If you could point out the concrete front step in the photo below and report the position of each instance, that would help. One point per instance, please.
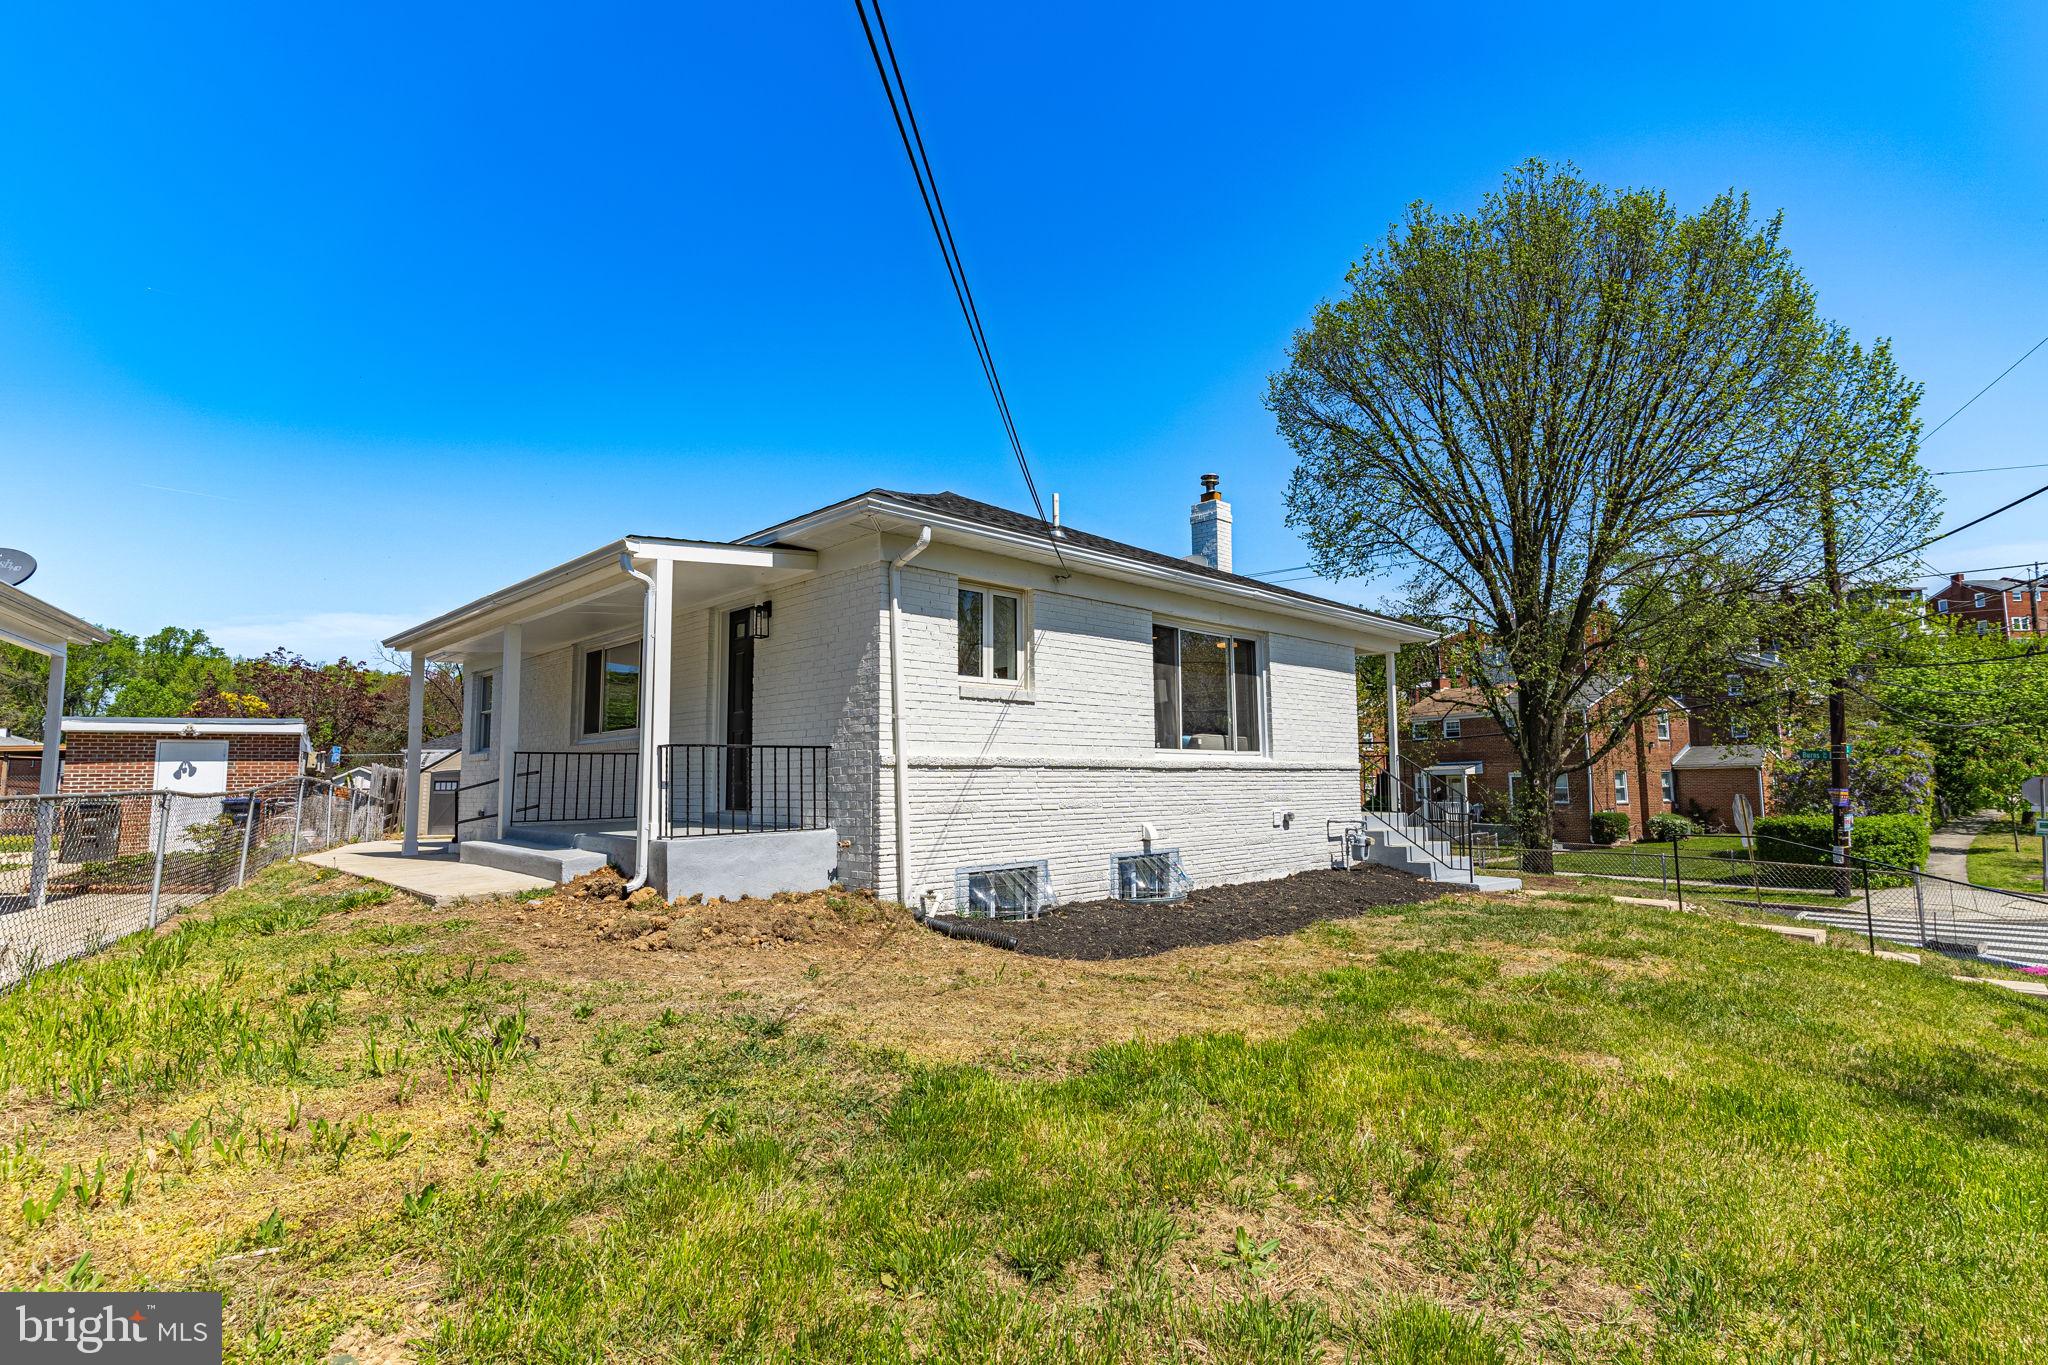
(532, 860)
(1396, 844)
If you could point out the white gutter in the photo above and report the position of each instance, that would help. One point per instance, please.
(924, 539)
(644, 817)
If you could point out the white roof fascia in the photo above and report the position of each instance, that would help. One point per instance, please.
(210, 725)
(34, 624)
(583, 577)
(1384, 629)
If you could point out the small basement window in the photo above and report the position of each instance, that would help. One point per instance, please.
(1143, 877)
(1008, 891)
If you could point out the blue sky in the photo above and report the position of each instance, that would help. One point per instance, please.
(314, 323)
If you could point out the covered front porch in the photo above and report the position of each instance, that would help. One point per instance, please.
(612, 708)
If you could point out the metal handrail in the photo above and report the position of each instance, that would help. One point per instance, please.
(744, 788)
(573, 784)
(1441, 829)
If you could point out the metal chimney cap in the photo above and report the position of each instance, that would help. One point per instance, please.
(1209, 482)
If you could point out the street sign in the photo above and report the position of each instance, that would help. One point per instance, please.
(1813, 755)
(16, 566)
(2035, 789)
(2041, 828)
(1745, 818)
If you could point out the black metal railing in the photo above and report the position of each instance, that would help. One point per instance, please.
(574, 784)
(743, 788)
(460, 818)
(1431, 811)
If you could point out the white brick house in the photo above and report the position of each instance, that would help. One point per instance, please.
(904, 691)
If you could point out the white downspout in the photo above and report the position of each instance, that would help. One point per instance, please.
(924, 538)
(645, 804)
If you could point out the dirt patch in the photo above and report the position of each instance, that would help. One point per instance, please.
(596, 904)
(1099, 931)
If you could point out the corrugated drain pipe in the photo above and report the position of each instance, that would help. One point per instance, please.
(896, 566)
(644, 804)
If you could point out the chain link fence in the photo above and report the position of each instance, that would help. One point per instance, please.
(80, 870)
(1878, 901)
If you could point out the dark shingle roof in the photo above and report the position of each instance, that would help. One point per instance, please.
(1003, 519)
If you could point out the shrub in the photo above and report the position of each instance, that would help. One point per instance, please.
(1895, 840)
(1609, 826)
(1668, 828)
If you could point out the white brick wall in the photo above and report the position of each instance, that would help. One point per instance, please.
(1067, 771)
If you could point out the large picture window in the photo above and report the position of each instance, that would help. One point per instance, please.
(991, 635)
(611, 689)
(1205, 690)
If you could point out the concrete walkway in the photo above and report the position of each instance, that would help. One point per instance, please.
(434, 876)
(1950, 850)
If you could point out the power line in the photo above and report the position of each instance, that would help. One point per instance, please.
(1986, 389)
(1987, 469)
(942, 230)
(1974, 521)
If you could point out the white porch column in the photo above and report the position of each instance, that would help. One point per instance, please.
(415, 723)
(506, 741)
(1393, 731)
(46, 811)
(657, 658)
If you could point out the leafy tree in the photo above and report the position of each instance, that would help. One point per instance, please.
(1980, 701)
(1574, 418)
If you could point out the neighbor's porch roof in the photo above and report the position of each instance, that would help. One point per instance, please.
(34, 624)
(592, 594)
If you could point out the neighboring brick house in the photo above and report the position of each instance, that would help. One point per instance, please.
(1673, 772)
(2012, 605)
(201, 759)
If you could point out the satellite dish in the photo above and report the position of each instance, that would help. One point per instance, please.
(16, 566)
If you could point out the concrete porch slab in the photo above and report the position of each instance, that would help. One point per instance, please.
(434, 875)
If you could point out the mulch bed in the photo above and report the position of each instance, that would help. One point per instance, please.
(1096, 931)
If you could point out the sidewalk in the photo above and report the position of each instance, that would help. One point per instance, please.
(1950, 850)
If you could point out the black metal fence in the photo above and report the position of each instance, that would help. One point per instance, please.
(743, 788)
(566, 785)
(79, 871)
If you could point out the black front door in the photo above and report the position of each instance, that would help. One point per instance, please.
(739, 710)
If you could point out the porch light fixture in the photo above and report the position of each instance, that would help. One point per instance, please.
(757, 620)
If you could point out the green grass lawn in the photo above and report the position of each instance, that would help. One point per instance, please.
(1480, 1129)
(1993, 861)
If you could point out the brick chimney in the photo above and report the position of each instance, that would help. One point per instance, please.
(1209, 527)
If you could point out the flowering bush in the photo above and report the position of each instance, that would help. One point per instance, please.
(1890, 773)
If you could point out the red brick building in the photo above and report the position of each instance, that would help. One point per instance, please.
(201, 760)
(2012, 605)
(1664, 767)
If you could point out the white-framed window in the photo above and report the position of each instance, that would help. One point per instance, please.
(1418, 729)
(1663, 725)
(1734, 684)
(994, 638)
(608, 701)
(1667, 781)
(1514, 787)
(1205, 690)
(483, 703)
(1979, 601)
(2022, 623)
(1620, 787)
(1941, 606)
(1983, 627)
(1453, 727)
(1561, 790)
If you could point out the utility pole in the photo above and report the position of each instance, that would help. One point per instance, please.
(1838, 703)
